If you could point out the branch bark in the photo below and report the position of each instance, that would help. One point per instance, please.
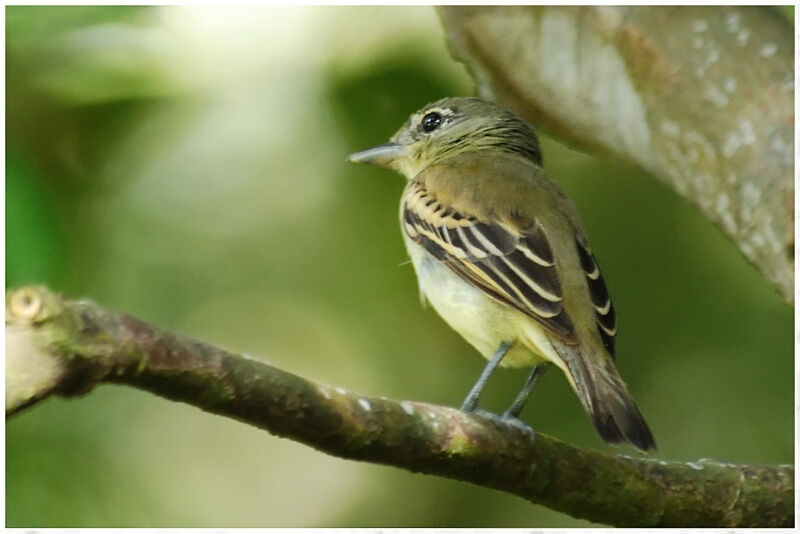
(701, 97)
(59, 346)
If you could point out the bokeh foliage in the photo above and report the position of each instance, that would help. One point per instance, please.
(186, 165)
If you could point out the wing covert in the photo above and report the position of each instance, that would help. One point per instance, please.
(514, 266)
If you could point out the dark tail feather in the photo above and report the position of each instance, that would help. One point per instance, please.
(606, 399)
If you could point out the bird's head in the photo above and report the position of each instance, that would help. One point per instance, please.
(449, 127)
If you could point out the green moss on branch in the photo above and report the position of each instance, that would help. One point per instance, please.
(61, 346)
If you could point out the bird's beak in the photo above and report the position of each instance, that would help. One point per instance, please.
(381, 155)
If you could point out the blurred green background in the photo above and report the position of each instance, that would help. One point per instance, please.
(186, 165)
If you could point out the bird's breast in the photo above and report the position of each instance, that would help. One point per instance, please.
(478, 318)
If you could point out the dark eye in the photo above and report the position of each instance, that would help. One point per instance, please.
(431, 121)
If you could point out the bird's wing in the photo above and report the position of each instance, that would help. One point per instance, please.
(514, 265)
(603, 307)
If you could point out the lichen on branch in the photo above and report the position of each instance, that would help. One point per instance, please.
(60, 346)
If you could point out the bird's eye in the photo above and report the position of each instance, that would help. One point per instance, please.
(431, 121)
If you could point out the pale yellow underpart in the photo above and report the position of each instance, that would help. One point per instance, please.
(484, 322)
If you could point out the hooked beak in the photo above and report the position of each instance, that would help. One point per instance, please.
(381, 155)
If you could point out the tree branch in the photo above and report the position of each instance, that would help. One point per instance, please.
(65, 347)
(701, 97)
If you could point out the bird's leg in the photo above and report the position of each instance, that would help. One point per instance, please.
(522, 397)
(471, 402)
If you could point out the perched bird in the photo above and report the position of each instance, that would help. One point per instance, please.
(501, 254)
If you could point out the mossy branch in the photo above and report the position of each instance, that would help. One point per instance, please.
(701, 97)
(59, 346)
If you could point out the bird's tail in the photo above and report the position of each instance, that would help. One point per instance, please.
(606, 398)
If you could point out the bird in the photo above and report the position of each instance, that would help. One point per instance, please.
(501, 254)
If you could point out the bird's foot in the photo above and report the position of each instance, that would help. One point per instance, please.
(485, 414)
(519, 424)
(471, 406)
(502, 420)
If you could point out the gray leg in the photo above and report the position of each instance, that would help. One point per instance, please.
(519, 402)
(471, 402)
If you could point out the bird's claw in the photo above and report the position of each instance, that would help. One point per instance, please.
(504, 420)
(519, 424)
